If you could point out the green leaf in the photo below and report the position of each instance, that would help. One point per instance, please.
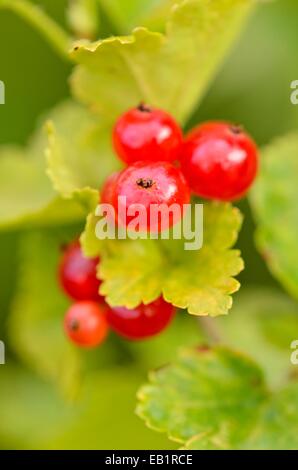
(83, 17)
(26, 193)
(273, 201)
(36, 322)
(277, 427)
(24, 189)
(79, 154)
(101, 415)
(37, 18)
(127, 14)
(204, 393)
(171, 71)
(271, 320)
(202, 281)
(135, 271)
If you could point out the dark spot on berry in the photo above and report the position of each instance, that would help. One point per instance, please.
(74, 325)
(144, 108)
(236, 129)
(145, 183)
(76, 48)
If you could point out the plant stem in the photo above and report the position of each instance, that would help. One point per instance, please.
(209, 328)
(37, 18)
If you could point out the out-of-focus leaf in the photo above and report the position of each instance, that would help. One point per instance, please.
(27, 197)
(273, 201)
(171, 71)
(37, 18)
(127, 14)
(277, 427)
(263, 324)
(135, 271)
(36, 322)
(214, 393)
(102, 414)
(83, 17)
(79, 154)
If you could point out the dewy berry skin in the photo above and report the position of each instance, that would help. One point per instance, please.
(147, 134)
(219, 161)
(77, 274)
(141, 322)
(85, 324)
(145, 184)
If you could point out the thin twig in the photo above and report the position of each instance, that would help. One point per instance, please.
(37, 18)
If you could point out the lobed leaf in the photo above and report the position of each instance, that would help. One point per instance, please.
(206, 395)
(135, 271)
(171, 71)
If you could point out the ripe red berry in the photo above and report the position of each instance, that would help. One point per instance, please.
(108, 190)
(77, 274)
(146, 133)
(219, 161)
(142, 322)
(86, 324)
(153, 186)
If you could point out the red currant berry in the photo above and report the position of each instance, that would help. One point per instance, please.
(77, 274)
(142, 322)
(219, 161)
(146, 133)
(86, 324)
(146, 187)
(108, 189)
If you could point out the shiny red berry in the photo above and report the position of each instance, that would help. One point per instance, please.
(145, 133)
(141, 322)
(108, 190)
(77, 274)
(145, 187)
(86, 324)
(219, 161)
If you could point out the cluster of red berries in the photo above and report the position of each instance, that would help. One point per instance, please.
(216, 160)
(88, 320)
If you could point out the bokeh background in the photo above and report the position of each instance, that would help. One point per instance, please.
(252, 88)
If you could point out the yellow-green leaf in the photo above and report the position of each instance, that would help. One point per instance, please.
(171, 71)
(79, 154)
(202, 281)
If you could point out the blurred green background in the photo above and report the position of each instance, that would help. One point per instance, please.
(252, 88)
